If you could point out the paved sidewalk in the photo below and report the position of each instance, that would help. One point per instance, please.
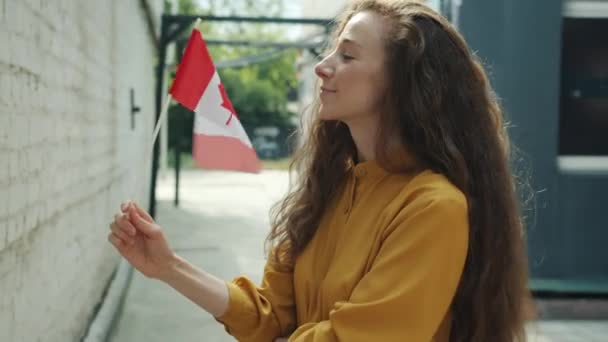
(220, 226)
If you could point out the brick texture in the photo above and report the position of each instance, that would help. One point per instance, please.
(68, 156)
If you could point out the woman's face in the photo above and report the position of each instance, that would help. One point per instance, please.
(353, 75)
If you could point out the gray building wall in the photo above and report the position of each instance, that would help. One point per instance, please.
(518, 39)
(520, 42)
(68, 156)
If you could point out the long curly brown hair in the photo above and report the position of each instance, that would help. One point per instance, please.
(439, 106)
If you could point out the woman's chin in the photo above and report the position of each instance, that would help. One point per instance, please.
(327, 115)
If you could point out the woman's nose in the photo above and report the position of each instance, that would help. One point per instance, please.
(323, 70)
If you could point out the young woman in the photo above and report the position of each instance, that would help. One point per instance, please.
(404, 225)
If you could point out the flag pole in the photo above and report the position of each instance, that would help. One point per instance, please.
(150, 147)
(161, 118)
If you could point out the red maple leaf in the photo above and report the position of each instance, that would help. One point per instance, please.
(226, 103)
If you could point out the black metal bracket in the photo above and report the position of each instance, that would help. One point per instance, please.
(134, 109)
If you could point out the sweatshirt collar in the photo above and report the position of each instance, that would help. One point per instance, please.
(368, 170)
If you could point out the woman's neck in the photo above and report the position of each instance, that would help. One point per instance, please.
(363, 132)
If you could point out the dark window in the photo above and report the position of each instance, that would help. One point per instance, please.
(583, 125)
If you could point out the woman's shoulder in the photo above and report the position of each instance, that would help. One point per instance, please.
(428, 198)
(428, 187)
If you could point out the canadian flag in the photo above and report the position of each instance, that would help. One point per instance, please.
(219, 140)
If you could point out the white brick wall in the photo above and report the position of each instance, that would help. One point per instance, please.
(68, 156)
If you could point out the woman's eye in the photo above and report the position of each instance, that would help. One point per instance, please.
(346, 57)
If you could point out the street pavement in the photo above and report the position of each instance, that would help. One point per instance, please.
(220, 226)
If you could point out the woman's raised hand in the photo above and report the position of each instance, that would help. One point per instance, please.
(141, 241)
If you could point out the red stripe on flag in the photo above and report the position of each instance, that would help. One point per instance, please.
(194, 72)
(224, 153)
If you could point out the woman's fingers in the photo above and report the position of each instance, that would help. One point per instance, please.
(148, 228)
(119, 233)
(122, 234)
(143, 213)
(123, 229)
(122, 220)
(125, 207)
(117, 242)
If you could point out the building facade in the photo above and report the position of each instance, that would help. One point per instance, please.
(69, 153)
(548, 61)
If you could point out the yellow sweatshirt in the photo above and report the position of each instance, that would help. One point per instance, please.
(383, 265)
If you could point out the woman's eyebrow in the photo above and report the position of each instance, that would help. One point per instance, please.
(349, 41)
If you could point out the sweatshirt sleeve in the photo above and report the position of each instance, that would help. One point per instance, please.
(411, 283)
(261, 314)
